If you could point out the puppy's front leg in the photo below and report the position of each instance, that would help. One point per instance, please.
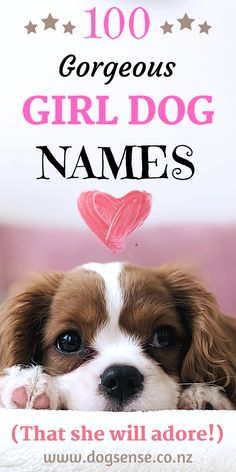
(204, 397)
(29, 387)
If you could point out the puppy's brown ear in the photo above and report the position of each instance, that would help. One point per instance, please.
(211, 354)
(22, 318)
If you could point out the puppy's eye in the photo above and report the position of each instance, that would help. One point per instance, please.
(164, 337)
(69, 342)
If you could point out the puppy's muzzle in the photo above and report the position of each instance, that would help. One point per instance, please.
(121, 383)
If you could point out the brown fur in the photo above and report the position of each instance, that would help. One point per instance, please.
(31, 320)
(212, 354)
(22, 319)
(149, 305)
(205, 349)
(78, 304)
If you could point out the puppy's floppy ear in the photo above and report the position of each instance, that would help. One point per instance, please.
(22, 317)
(210, 357)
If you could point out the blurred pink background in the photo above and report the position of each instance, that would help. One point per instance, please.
(209, 250)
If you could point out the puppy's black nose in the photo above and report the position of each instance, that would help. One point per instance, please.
(121, 382)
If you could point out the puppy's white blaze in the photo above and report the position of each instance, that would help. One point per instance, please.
(117, 348)
(110, 333)
(110, 341)
(114, 300)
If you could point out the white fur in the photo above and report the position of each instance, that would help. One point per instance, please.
(35, 382)
(197, 395)
(111, 332)
(110, 274)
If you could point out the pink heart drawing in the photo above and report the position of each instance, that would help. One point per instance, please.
(114, 219)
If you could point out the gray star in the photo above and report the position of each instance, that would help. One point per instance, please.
(167, 28)
(204, 28)
(50, 22)
(69, 28)
(31, 28)
(186, 22)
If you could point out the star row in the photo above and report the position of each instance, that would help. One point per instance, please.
(185, 23)
(49, 23)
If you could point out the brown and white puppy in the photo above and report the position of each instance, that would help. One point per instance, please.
(116, 337)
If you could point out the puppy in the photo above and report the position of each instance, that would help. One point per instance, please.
(116, 337)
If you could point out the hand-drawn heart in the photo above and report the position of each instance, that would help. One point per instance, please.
(113, 219)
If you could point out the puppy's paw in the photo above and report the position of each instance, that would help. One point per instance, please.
(204, 397)
(28, 388)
